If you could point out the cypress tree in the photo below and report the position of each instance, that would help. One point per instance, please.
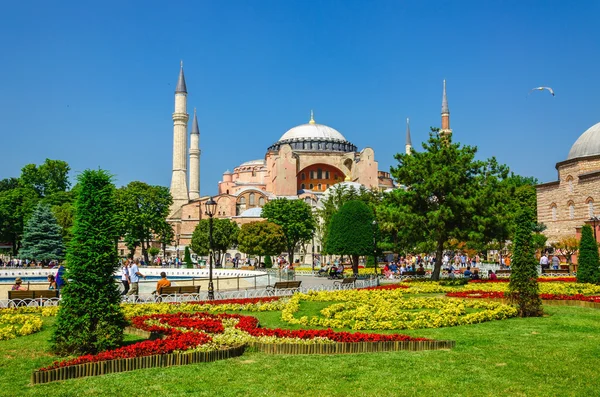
(523, 287)
(187, 258)
(42, 236)
(588, 262)
(90, 319)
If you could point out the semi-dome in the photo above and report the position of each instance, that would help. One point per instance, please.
(314, 137)
(588, 144)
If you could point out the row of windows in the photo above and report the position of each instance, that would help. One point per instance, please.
(252, 200)
(319, 174)
(572, 210)
(311, 186)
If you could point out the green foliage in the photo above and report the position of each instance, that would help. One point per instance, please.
(225, 234)
(16, 205)
(588, 270)
(351, 231)
(268, 262)
(142, 212)
(449, 195)
(90, 318)
(49, 178)
(295, 218)
(187, 258)
(42, 237)
(261, 238)
(153, 251)
(523, 288)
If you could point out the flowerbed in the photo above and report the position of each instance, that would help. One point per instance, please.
(13, 325)
(366, 309)
(540, 280)
(209, 332)
(500, 295)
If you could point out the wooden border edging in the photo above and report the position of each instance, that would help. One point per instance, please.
(349, 348)
(131, 364)
(546, 302)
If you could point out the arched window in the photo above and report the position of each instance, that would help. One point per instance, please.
(590, 208)
(251, 198)
(571, 210)
(261, 200)
(243, 200)
(554, 212)
(319, 173)
(303, 176)
(326, 174)
(570, 183)
(302, 186)
(310, 186)
(319, 187)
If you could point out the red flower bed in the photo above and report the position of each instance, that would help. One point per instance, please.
(242, 301)
(193, 321)
(577, 297)
(540, 280)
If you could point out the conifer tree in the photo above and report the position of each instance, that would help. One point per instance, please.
(588, 262)
(187, 258)
(42, 237)
(90, 319)
(523, 287)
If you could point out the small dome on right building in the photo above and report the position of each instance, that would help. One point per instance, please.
(588, 144)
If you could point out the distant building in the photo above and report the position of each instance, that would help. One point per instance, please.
(568, 203)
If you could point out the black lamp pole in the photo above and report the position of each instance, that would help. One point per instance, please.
(211, 206)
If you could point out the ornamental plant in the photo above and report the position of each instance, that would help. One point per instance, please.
(187, 258)
(42, 237)
(588, 262)
(90, 319)
(523, 287)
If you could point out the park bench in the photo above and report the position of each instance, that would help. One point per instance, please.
(346, 282)
(175, 291)
(555, 271)
(291, 286)
(24, 298)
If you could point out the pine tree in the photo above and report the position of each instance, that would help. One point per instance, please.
(42, 237)
(588, 262)
(90, 319)
(523, 287)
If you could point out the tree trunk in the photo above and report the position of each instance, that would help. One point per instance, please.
(145, 251)
(439, 252)
(291, 254)
(355, 264)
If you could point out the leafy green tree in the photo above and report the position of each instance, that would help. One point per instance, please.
(142, 212)
(165, 235)
(49, 178)
(268, 262)
(351, 231)
(42, 237)
(588, 270)
(153, 251)
(187, 258)
(262, 239)
(225, 233)
(8, 184)
(16, 205)
(295, 218)
(523, 288)
(567, 246)
(90, 319)
(448, 195)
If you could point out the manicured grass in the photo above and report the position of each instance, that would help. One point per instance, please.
(555, 355)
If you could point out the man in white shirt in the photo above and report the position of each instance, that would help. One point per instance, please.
(544, 262)
(134, 277)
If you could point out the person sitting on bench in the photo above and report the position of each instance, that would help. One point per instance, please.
(18, 285)
(163, 282)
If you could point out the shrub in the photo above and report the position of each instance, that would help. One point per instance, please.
(587, 269)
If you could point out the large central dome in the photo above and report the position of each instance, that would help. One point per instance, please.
(588, 144)
(314, 137)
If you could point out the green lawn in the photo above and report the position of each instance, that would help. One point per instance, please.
(556, 355)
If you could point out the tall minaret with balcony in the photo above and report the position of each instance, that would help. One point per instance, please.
(179, 189)
(408, 145)
(195, 159)
(445, 130)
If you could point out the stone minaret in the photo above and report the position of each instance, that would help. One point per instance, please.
(445, 115)
(179, 189)
(195, 160)
(408, 145)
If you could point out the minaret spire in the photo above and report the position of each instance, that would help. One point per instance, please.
(408, 145)
(179, 189)
(195, 159)
(445, 130)
(312, 117)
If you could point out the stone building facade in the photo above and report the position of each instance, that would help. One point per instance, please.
(571, 201)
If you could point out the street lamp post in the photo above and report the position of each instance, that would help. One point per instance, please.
(211, 206)
(375, 245)
(594, 219)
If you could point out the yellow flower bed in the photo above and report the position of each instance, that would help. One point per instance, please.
(131, 310)
(384, 309)
(545, 288)
(13, 325)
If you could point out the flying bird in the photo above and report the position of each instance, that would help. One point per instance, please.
(541, 89)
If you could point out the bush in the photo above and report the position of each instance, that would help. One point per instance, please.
(90, 319)
(268, 262)
(187, 258)
(587, 269)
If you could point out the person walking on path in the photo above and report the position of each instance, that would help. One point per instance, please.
(125, 277)
(134, 277)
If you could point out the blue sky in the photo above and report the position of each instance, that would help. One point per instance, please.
(92, 83)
